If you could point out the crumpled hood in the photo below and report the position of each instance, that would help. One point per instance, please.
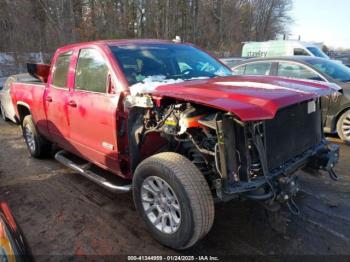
(249, 98)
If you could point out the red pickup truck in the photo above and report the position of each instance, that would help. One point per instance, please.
(173, 122)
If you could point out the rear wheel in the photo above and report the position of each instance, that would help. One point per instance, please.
(174, 200)
(37, 145)
(343, 126)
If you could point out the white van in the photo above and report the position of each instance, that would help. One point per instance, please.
(282, 48)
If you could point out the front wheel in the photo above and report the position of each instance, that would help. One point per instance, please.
(174, 200)
(343, 126)
(37, 145)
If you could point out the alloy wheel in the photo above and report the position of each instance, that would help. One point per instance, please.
(161, 204)
(346, 126)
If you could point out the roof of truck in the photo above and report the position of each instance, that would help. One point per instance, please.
(120, 42)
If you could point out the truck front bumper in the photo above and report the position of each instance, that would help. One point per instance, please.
(280, 183)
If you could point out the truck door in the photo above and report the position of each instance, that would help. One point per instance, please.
(92, 110)
(55, 100)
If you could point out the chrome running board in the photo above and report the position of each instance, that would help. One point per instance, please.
(84, 170)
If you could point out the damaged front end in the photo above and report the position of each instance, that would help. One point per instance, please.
(255, 160)
(259, 159)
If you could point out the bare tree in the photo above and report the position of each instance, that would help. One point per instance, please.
(218, 25)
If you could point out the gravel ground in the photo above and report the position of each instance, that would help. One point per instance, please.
(62, 213)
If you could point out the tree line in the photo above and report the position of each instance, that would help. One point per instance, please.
(216, 25)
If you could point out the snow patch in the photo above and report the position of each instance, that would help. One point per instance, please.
(296, 88)
(150, 83)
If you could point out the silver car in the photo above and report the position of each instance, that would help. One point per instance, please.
(232, 61)
(6, 107)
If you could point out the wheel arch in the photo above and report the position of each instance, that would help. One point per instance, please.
(339, 114)
(23, 110)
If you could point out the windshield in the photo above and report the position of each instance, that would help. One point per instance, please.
(335, 70)
(169, 61)
(317, 52)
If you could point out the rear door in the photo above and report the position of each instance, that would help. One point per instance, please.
(92, 110)
(55, 100)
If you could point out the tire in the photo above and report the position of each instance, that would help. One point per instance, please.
(3, 115)
(37, 145)
(343, 127)
(193, 199)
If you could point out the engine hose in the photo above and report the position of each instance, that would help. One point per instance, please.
(293, 208)
(333, 175)
(202, 150)
(259, 197)
(260, 148)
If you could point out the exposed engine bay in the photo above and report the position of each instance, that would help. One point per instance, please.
(255, 160)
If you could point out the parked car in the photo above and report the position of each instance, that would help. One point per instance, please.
(173, 122)
(336, 112)
(13, 246)
(232, 61)
(6, 107)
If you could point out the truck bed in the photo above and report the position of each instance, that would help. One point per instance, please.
(36, 83)
(29, 93)
(26, 79)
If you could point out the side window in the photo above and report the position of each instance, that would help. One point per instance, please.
(60, 74)
(261, 68)
(297, 71)
(91, 71)
(300, 51)
(239, 70)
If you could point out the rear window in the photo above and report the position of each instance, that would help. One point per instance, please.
(60, 74)
(300, 51)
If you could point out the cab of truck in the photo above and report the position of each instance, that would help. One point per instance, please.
(282, 48)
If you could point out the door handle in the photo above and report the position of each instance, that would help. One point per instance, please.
(72, 103)
(48, 99)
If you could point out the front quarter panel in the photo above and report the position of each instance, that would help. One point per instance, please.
(338, 107)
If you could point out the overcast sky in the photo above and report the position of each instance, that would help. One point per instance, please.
(325, 21)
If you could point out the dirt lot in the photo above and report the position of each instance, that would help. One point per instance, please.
(61, 212)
